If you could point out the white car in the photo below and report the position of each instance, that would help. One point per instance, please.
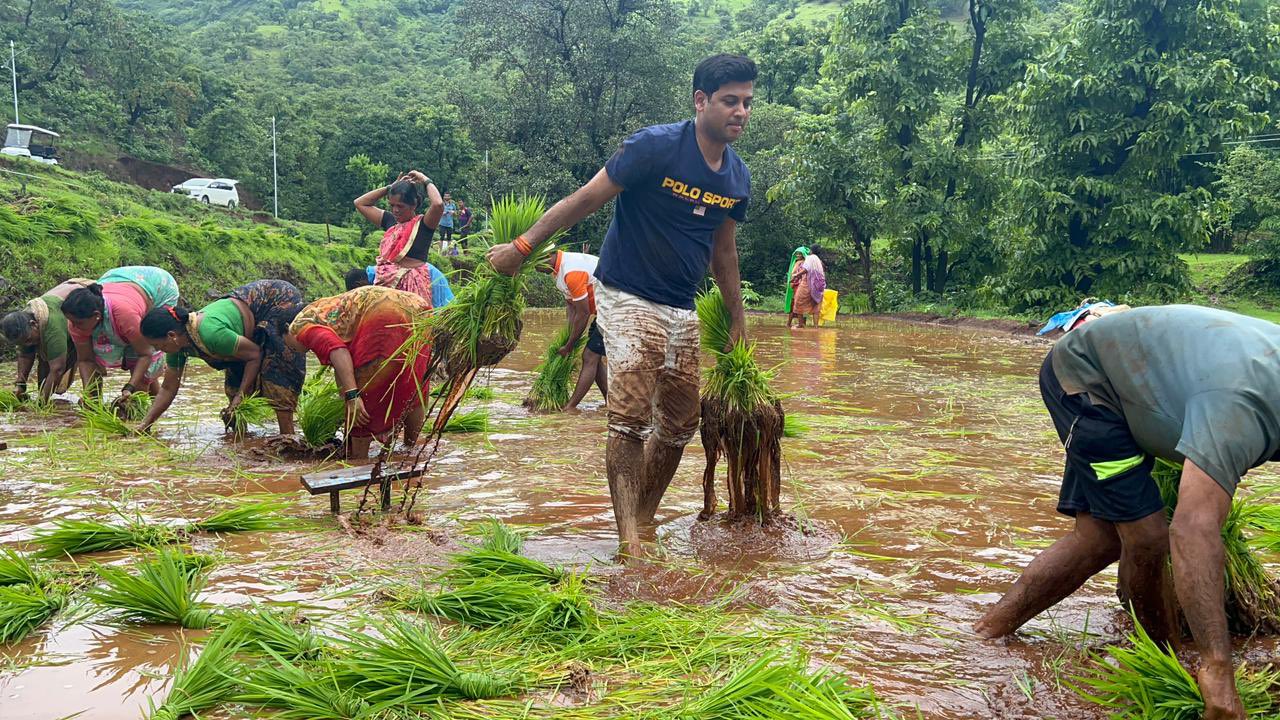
(216, 191)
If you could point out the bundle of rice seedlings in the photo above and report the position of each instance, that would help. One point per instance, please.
(136, 407)
(483, 324)
(472, 393)
(468, 422)
(321, 411)
(23, 608)
(18, 569)
(251, 516)
(9, 401)
(554, 385)
(1252, 594)
(163, 591)
(72, 537)
(308, 692)
(101, 418)
(254, 410)
(1146, 682)
(772, 688)
(478, 563)
(403, 662)
(741, 416)
(265, 630)
(497, 535)
(500, 601)
(198, 685)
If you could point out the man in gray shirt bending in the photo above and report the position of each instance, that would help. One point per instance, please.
(1189, 384)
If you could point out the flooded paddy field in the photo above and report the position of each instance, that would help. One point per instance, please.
(926, 478)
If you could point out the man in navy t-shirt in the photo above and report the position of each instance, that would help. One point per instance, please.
(681, 191)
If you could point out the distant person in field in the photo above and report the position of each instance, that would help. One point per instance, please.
(575, 278)
(39, 330)
(241, 334)
(448, 221)
(808, 284)
(406, 242)
(105, 322)
(464, 223)
(681, 192)
(1192, 385)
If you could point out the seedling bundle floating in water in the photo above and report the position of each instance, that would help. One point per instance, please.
(74, 537)
(163, 590)
(553, 386)
(741, 417)
(1252, 594)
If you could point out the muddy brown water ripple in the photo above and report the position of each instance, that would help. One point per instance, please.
(928, 460)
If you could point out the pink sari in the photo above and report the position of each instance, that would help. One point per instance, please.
(393, 248)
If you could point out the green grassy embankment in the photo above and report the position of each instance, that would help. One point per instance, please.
(56, 224)
(1212, 277)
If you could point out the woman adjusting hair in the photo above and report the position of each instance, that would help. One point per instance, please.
(241, 334)
(402, 255)
(105, 322)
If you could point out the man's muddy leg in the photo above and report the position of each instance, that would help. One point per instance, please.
(624, 463)
(676, 409)
(1054, 574)
(1144, 575)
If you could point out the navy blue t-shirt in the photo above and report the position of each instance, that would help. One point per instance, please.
(659, 243)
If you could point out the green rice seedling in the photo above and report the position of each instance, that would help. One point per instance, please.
(265, 630)
(136, 407)
(472, 393)
(198, 685)
(73, 537)
(773, 688)
(478, 563)
(554, 385)
(163, 591)
(310, 692)
(1252, 594)
(497, 535)
(9, 401)
(252, 516)
(101, 418)
(1146, 682)
(498, 601)
(793, 426)
(403, 662)
(468, 422)
(23, 608)
(254, 410)
(18, 569)
(321, 410)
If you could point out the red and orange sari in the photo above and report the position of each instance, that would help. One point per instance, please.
(395, 245)
(372, 323)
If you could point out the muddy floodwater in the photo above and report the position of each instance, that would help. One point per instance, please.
(928, 473)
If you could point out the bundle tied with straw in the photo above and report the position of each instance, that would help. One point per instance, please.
(553, 386)
(741, 417)
(1252, 594)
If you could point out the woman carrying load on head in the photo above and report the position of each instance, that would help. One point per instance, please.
(105, 322)
(799, 304)
(362, 335)
(402, 255)
(39, 330)
(241, 334)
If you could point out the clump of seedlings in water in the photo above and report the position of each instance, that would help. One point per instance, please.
(468, 422)
(163, 590)
(304, 692)
(1252, 594)
(24, 608)
(793, 426)
(101, 418)
(75, 537)
(9, 401)
(742, 418)
(772, 687)
(253, 411)
(554, 385)
(136, 406)
(1146, 682)
(321, 411)
(209, 680)
(17, 569)
(266, 631)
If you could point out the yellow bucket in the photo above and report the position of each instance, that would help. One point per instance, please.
(830, 304)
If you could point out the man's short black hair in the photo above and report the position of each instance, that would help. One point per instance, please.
(722, 69)
(356, 277)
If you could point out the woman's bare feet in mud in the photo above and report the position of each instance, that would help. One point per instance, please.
(1218, 686)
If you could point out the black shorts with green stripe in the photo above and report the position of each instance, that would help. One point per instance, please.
(1106, 474)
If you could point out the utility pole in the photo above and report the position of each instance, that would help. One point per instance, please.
(13, 68)
(275, 177)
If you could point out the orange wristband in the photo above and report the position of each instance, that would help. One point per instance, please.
(522, 245)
